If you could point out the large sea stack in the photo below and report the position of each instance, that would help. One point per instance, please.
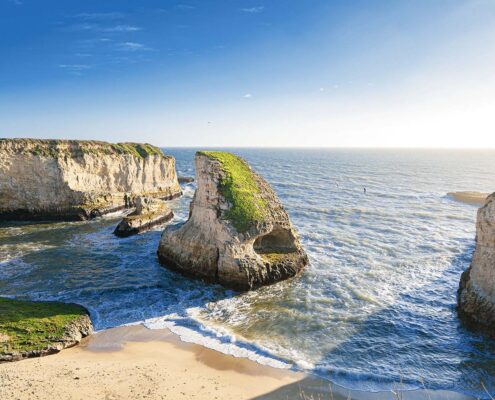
(78, 180)
(238, 234)
(477, 288)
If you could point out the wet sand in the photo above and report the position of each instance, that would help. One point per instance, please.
(137, 363)
(474, 198)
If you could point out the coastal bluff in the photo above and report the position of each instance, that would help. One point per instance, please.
(476, 296)
(79, 180)
(238, 234)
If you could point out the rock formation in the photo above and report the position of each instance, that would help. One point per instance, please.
(77, 180)
(35, 329)
(149, 212)
(238, 234)
(476, 295)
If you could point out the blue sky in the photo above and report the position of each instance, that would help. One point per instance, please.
(250, 73)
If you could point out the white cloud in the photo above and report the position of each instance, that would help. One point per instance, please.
(17, 2)
(75, 69)
(247, 96)
(122, 28)
(184, 7)
(109, 15)
(107, 29)
(253, 10)
(133, 46)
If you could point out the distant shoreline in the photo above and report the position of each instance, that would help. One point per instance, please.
(473, 198)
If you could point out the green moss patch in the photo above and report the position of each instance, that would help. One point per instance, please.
(75, 148)
(27, 325)
(240, 189)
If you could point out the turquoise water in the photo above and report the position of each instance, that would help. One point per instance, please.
(376, 303)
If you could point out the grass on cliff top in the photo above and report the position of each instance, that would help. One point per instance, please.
(240, 189)
(56, 147)
(27, 325)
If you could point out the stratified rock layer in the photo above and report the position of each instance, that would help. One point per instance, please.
(477, 288)
(238, 234)
(149, 212)
(77, 180)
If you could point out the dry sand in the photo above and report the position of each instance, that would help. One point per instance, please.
(474, 198)
(136, 363)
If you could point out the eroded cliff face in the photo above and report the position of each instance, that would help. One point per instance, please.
(70, 180)
(477, 288)
(241, 242)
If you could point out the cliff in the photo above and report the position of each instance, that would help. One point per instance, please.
(476, 295)
(74, 180)
(238, 234)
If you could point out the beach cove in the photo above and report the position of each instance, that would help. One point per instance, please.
(376, 304)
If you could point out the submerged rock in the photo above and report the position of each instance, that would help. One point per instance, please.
(78, 180)
(35, 329)
(238, 234)
(149, 212)
(476, 296)
(186, 179)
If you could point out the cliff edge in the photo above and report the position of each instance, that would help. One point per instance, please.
(238, 234)
(476, 296)
(77, 180)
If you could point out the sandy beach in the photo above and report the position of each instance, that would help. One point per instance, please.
(474, 198)
(133, 362)
(137, 363)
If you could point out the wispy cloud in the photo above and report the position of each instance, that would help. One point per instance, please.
(184, 7)
(247, 96)
(122, 28)
(17, 2)
(100, 16)
(133, 46)
(253, 10)
(108, 29)
(75, 69)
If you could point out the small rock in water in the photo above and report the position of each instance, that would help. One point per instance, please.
(149, 212)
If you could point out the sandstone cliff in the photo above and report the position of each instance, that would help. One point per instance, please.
(477, 288)
(72, 180)
(238, 234)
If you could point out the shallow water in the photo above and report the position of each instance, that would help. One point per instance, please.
(377, 302)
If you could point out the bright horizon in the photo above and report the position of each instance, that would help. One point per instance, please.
(251, 74)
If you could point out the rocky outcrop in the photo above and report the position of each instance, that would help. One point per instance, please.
(186, 179)
(238, 234)
(77, 180)
(35, 329)
(149, 212)
(476, 296)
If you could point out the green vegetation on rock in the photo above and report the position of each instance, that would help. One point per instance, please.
(240, 189)
(27, 325)
(56, 148)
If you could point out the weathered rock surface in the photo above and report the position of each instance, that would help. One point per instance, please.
(238, 234)
(476, 296)
(77, 180)
(149, 212)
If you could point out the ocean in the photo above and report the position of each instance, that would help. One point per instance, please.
(376, 305)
